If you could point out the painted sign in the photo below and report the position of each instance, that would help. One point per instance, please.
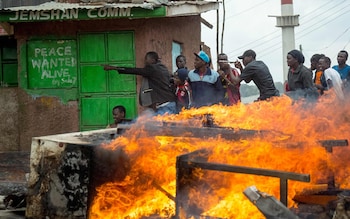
(80, 14)
(52, 63)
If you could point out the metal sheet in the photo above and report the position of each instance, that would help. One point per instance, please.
(65, 6)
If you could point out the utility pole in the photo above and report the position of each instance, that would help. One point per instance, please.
(287, 21)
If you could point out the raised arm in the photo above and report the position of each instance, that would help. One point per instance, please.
(109, 67)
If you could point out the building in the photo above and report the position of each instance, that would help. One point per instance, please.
(51, 76)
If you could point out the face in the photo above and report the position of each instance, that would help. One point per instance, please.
(198, 63)
(180, 62)
(313, 64)
(291, 61)
(149, 60)
(322, 64)
(223, 61)
(318, 68)
(177, 80)
(341, 58)
(246, 60)
(118, 116)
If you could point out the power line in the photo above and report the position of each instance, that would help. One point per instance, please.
(279, 43)
(251, 8)
(346, 44)
(320, 24)
(271, 47)
(326, 47)
(256, 41)
(315, 11)
(276, 46)
(244, 11)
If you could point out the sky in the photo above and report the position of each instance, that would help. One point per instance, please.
(323, 28)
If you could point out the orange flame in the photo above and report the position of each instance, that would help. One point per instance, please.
(290, 143)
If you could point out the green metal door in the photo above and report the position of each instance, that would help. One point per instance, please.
(101, 90)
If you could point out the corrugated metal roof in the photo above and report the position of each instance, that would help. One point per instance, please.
(173, 8)
(149, 4)
(65, 6)
(16, 3)
(185, 8)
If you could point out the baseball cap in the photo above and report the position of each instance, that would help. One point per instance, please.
(182, 73)
(202, 55)
(247, 53)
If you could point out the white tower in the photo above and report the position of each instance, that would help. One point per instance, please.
(287, 21)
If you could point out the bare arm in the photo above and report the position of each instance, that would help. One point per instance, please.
(109, 67)
(127, 70)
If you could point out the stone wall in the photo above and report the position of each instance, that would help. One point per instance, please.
(9, 140)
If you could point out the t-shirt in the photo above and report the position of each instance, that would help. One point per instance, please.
(333, 75)
(261, 76)
(232, 95)
(183, 96)
(317, 79)
(344, 72)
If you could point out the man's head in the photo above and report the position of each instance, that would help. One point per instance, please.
(247, 57)
(324, 63)
(180, 61)
(118, 113)
(223, 61)
(151, 58)
(202, 59)
(295, 58)
(297, 55)
(180, 76)
(342, 57)
(314, 61)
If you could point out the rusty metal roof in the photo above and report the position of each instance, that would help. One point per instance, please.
(148, 4)
(65, 6)
(173, 8)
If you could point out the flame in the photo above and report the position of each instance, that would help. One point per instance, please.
(290, 142)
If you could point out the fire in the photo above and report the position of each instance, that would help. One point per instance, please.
(288, 140)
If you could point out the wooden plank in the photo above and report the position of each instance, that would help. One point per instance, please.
(323, 200)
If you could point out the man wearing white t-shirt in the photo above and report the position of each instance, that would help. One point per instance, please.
(332, 77)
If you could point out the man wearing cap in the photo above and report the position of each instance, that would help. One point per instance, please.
(258, 72)
(205, 82)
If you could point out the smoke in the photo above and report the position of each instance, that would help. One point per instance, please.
(109, 165)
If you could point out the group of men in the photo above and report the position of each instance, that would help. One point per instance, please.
(303, 84)
(203, 86)
(207, 86)
(327, 77)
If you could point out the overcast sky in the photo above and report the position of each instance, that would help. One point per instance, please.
(324, 28)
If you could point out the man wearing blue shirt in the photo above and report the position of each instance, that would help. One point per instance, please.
(343, 69)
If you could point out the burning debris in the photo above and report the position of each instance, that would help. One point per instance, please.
(13, 201)
(268, 205)
(136, 175)
(109, 166)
